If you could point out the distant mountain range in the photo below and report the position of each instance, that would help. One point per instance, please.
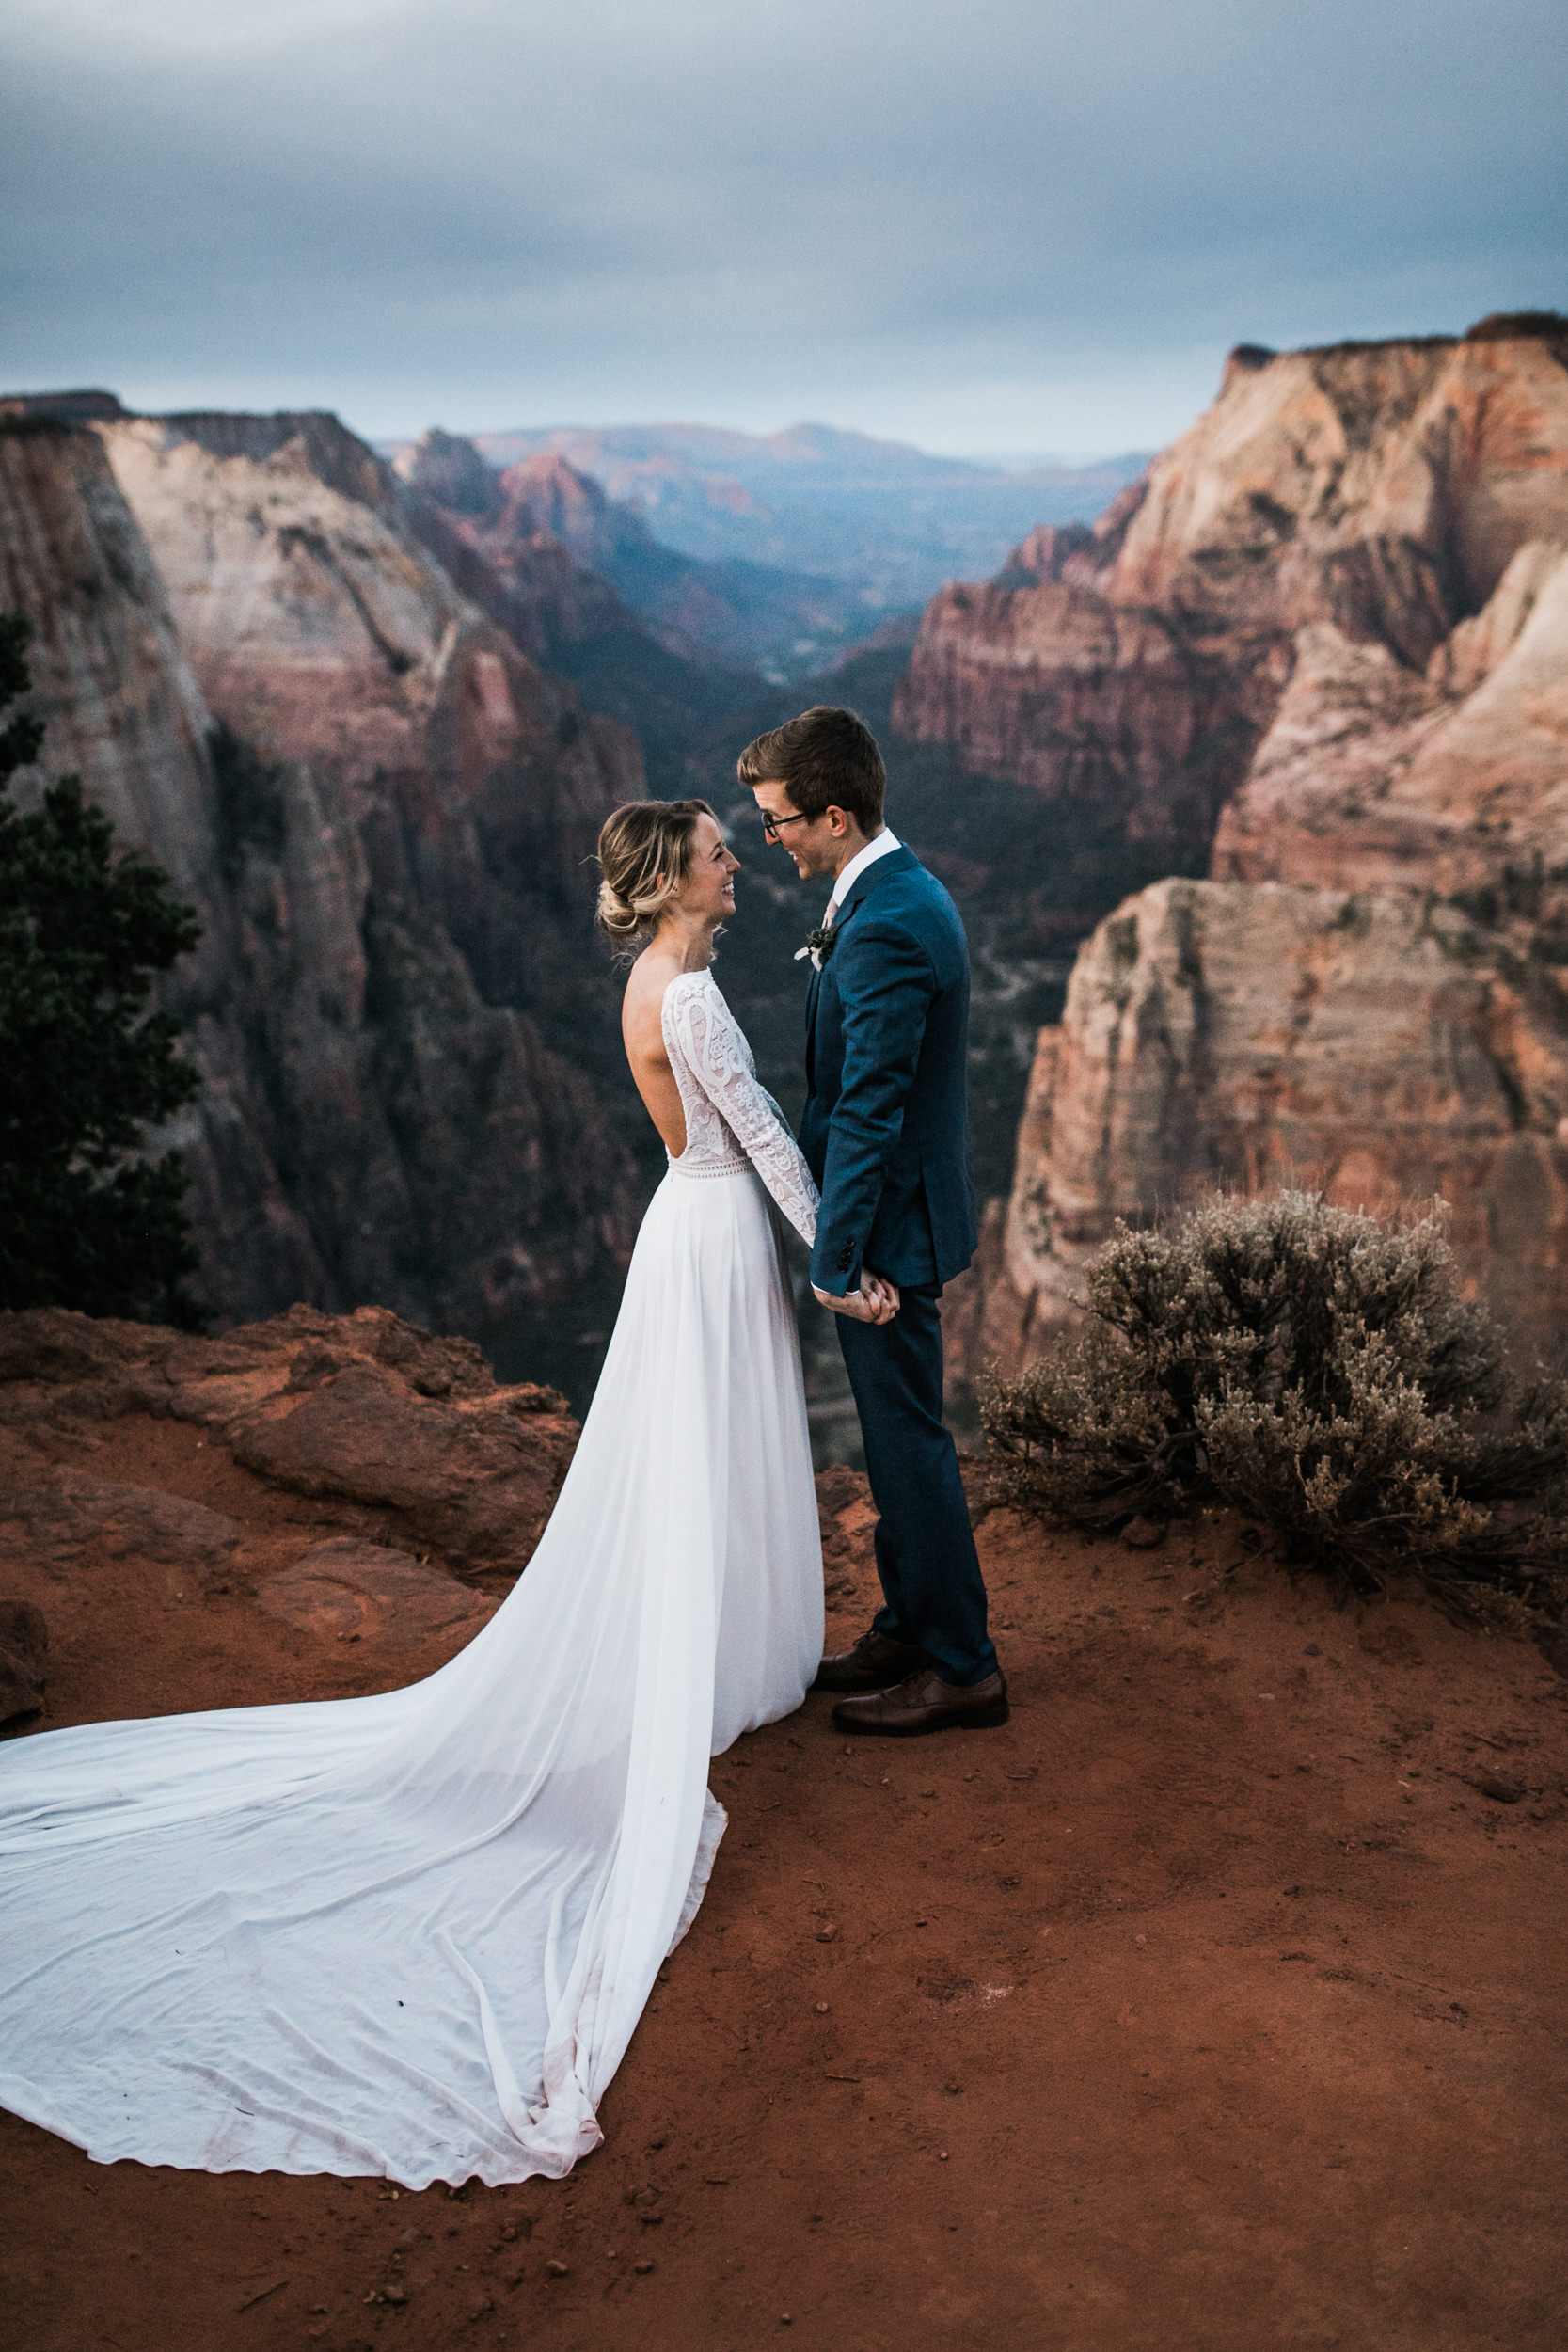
(746, 616)
(882, 520)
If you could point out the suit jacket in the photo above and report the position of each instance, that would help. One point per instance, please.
(885, 1130)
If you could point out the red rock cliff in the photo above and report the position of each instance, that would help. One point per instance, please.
(1381, 491)
(1453, 778)
(524, 551)
(1373, 544)
(1222, 1034)
(379, 806)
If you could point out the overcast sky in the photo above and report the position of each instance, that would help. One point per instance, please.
(999, 224)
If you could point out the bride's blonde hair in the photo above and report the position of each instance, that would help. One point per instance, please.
(644, 854)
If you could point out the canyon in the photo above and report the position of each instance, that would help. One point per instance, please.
(660, 643)
(370, 721)
(1318, 658)
(380, 806)
(1278, 746)
(725, 610)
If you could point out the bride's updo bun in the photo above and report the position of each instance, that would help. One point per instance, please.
(644, 850)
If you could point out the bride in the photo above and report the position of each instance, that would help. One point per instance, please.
(412, 1934)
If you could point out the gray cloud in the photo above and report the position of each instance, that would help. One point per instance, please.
(1022, 223)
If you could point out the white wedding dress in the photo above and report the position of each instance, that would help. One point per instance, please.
(412, 1934)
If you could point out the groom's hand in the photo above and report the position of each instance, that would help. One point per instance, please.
(881, 1294)
(876, 1301)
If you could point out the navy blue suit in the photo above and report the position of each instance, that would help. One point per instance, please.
(885, 1132)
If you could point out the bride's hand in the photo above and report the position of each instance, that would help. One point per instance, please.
(876, 1301)
(881, 1295)
(858, 1309)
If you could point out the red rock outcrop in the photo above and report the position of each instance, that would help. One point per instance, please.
(380, 808)
(1380, 490)
(1453, 779)
(72, 1519)
(347, 1591)
(1222, 1034)
(360, 1409)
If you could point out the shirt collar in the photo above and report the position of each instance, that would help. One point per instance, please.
(883, 846)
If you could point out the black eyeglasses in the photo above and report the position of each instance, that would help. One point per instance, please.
(773, 826)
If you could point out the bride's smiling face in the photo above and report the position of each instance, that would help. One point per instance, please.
(707, 891)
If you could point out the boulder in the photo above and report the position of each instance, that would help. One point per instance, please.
(345, 1590)
(475, 1480)
(73, 1517)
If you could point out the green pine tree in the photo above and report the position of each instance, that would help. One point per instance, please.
(86, 1221)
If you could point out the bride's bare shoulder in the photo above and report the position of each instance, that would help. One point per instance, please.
(642, 1007)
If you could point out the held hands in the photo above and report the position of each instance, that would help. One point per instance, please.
(876, 1301)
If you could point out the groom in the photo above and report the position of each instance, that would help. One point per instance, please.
(886, 1133)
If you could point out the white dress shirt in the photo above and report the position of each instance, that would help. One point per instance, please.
(882, 845)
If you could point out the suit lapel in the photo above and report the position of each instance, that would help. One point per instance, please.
(882, 870)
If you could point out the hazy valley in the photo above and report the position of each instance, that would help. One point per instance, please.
(879, 524)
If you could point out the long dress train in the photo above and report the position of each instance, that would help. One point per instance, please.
(412, 1934)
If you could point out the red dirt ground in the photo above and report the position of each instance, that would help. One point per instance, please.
(1209, 2004)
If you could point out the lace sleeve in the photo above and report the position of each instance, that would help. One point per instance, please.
(700, 1027)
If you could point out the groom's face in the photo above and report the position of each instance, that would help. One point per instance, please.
(816, 842)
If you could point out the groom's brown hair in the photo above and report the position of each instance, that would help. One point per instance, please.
(826, 758)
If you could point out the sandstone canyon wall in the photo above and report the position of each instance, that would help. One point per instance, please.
(1388, 1049)
(1361, 557)
(579, 584)
(537, 541)
(1378, 491)
(1452, 778)
(379, 803)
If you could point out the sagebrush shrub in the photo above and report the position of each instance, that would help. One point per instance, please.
(1317, 1368)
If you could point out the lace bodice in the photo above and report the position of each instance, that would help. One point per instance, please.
(731, 1121)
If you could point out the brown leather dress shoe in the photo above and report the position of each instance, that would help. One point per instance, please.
(925, 1703)
(869, 1664)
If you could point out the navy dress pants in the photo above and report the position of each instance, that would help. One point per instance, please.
(933, 1592)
